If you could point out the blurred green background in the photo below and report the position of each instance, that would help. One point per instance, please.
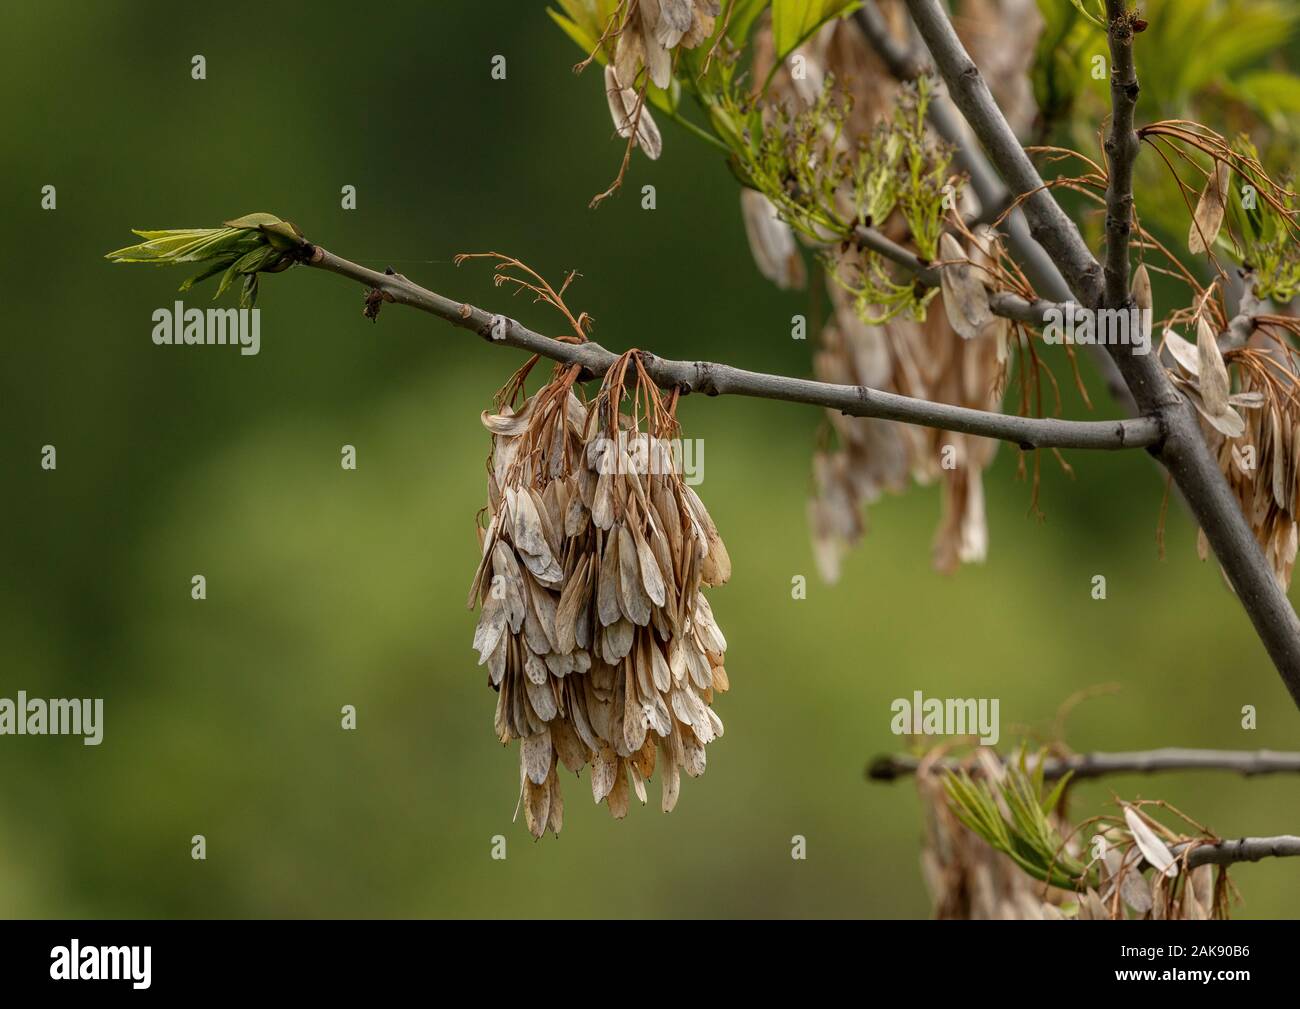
(328, 587)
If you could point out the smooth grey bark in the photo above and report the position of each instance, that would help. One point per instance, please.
(1247, 849)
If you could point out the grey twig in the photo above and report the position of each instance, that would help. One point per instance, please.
(1184, 451)
(1247, 849)
(1121, 152)
(720, 379)
(903, 62)
(1001, 303)
(891, 767)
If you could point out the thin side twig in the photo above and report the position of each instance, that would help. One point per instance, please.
(720, 379)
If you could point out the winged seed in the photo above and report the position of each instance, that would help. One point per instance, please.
(965, 298)
(1208, 219)
(1152, 848)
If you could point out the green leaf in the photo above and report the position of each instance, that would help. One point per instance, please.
(743, 16)
(793, 21)
(581, 36)
(248, 295)
(246, 265)
(591, 16)
(666, 99)
(253, 221)
(1192, 45)
(1273, 94)
(1231, 41)
(1054, 796)
(211, 271)
(170, 246)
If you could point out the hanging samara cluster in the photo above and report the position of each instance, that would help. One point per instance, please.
(596, 636)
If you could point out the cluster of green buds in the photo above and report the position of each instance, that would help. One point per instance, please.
(796, 158)
(239, 250)
(824, 185)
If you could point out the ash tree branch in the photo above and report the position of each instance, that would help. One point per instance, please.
(720, 379)
(1247, 849)
(891, 767)
(1183, 451)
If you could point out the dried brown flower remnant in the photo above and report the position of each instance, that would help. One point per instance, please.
(922, 359)
(1214, 385)
(999, 845)
(1171, 891)
(639, 36)
(1262, 463)
(965, 298)
(653, 28)
(771, 241)
(631, 116)
(1210, 208)
(871, 456)
(593, 626)
(1255, 431)
(929, 359)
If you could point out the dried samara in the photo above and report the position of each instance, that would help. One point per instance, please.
(593, 626)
